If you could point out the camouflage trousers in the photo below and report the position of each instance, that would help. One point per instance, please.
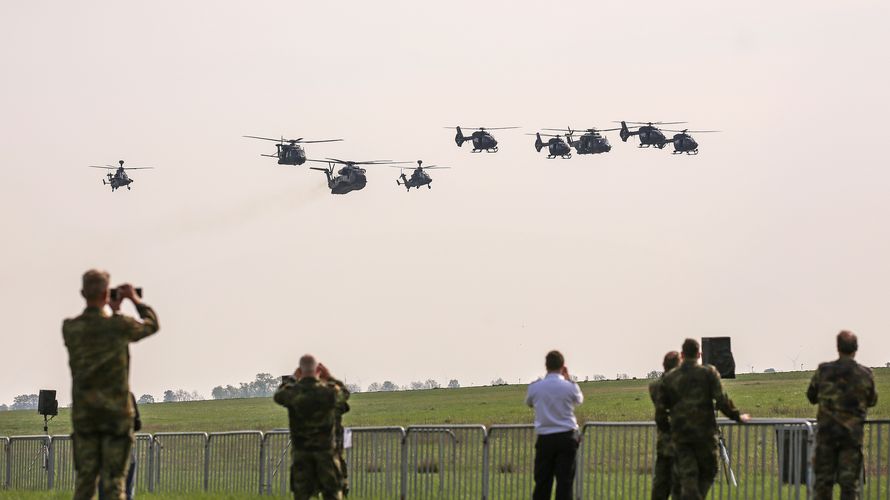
(314, 472)
(663, 482)
(101, 455)
(837, 460)
(344, 474)
(695, 468)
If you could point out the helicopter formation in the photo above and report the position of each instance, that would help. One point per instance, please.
(351, 174)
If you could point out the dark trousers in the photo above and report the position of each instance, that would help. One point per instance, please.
(555, 456)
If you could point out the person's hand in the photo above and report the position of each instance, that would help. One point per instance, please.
(565, 372)
(744, 418)
(298, 374)
(323, 372)
(127, 291)
(115, 304)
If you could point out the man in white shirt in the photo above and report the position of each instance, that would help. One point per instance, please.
(554, 399)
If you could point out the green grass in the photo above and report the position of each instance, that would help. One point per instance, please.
(66, 495)
(780, 395)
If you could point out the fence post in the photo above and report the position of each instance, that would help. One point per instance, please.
(206, 461)
(262, 461)
(404, 468)
(50, 465)
(486, 466)
(8, 482)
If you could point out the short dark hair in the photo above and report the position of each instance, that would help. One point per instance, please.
(671, 360)
(690, 348)
(554, 361)
(847, 343)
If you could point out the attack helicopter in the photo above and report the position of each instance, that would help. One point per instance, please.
(418, 178)
(289, 151)
(650, 135)
(482, 139)
(590, 143)
(684, 143)
(119, 178)
(350, 177)
(556, 146)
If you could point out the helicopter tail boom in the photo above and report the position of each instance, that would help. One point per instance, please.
(625, 132)
(459, 138)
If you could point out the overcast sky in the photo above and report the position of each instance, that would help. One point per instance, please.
(776, 234)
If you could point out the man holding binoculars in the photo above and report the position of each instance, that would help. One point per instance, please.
(101, 408)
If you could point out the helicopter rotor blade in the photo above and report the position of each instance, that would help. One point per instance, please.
(323, 140)
(435, 167)
(263, 138)
(106, 168)
(138, 168)
(497, 128)
(652, 123)
(687, 131)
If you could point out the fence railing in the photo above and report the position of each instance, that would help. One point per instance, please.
(769, 458)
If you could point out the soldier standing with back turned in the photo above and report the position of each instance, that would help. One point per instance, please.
(686, 410)
(311, 397)
(844, 390)
(101, 409)
(663, 484)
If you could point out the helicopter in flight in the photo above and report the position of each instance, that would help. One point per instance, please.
(650, 135)
(684, 143)
(290, 151)
(350, 177)
(556, 146)
(482, 139)
(590, 143)
(119, 178)
(418, 178)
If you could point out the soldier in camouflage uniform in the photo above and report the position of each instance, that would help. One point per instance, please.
(662, 484)
(101, 409)
(844, 390)
(311, 400)
(342, 407)
(685, 409)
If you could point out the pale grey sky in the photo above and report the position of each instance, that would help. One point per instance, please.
(775, 235)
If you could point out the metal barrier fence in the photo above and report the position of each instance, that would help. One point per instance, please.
(770, 459)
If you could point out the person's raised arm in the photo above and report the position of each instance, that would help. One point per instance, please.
(722, 401)
(149, 325)
(813, 389)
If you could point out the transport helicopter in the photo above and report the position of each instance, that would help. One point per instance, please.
(289, 151)
(590, 143)
(684, 143)
(650, 135)
(418, 178)
(482, 139)
(556, 146)
(350, 177)
(119, 178)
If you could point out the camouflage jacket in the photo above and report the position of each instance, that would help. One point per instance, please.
(685, 405)
(311, 411)
(341, 408)
(662, 442)
(99, 356)
(844, 390)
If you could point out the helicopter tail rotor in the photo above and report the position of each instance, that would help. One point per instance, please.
(625, 133)
(539, 144)
(459, 138)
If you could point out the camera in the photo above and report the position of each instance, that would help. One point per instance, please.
(114, 293)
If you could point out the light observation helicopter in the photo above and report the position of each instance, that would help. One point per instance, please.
(481, 138)
(290, 151)
(418, 178)
(649, 134)
(119, 178)
(556, 146)
(350, 177)
(684, 143)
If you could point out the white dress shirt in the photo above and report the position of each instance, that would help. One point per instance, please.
(554, 399)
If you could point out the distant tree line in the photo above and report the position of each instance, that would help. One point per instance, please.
(417, 385)
(263, 386)
(171, 396)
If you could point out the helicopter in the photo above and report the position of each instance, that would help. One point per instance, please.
(650, 135)
(482, 139)
(556, 146)
(119, 178)
(418, 178)
(350, 177)
(684, 143)
(290, 152)
(591, 142)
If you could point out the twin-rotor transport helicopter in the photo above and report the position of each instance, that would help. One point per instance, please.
(351, 174)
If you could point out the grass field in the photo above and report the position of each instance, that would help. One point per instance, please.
(779, 395)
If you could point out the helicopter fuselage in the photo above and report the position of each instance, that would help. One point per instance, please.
(651, 136)
(483, 141)
(349, 178)
(118, 179)
(589, 144)
(291, 154)
(418, 178)
(684, 143)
